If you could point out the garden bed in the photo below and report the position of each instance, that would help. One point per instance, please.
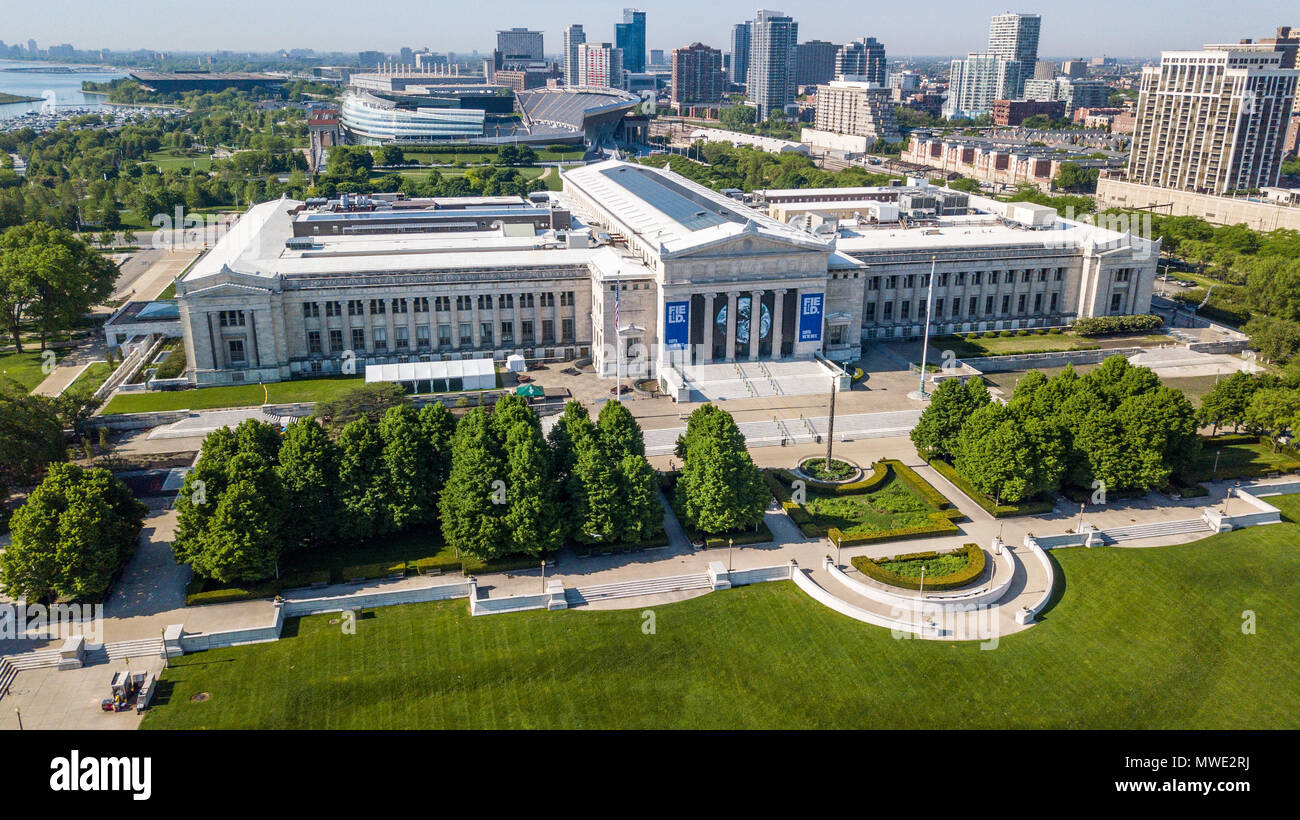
(1035, 506)
(952, 569)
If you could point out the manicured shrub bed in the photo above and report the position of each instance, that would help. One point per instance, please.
(904, 570)
(206, 591)
(1032, 507)
(837, 471)
(1107, 325)
(884, 492)
(659, 539)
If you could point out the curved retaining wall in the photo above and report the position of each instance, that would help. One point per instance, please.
(843, 607)
(953, 601)
(1041, 603)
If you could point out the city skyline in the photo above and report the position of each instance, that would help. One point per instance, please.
(1147, 29)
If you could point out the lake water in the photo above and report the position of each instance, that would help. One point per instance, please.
(63, 88)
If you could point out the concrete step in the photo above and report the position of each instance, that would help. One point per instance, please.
(34, 660)
(629, 589)
(1155, 530)
(7, 675)
(141, 648)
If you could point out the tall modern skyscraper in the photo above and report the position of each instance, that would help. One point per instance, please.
(863, 58)
(697, 77)
(1015, 37)
(519, 45)
(629, 35)
(975, 82)
(773, 53)
(574, 36)
(816, 62)
(740, 41)
(1213, 121)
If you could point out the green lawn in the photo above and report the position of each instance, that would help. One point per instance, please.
(1138, 638)
(240, 395)
(170, 158)
(93, 377)
(24, 368)
(1249, 460)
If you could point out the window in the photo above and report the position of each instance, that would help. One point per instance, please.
(909, 281)
(333, 308)
(422, 337)
(1024, 277)
(236, 348)
(525, 300)
(1006, 303)
(379, 334)
(974, 306)
(232, 318)
(310, 310)
(839, 335)
(485, 333)
(399, 306)
(1116, 302)
(1020, 303)
(566, 298)
(1038, 303)
(336, 341)
(402, 337)
(977, 277)
(871, 311)
(891, 282)
(888, 311)
(1053, 304)
(956, 308)
(566, 330)
(442, 304)
(420, 304)
(993, 277)
(1059, 272)
(485, 301)
(506, 300)
(548, 331)
(464, 302)
(961, 278)
(358, 338)
(988, 305)
(943, 280)
(1122, 275)
(355, 307)
(526, 331)
(508, 333)
(548, 299)
(938, 307)
(313, 342)
(444, 336)
(1042, 275)
(905, 310)
(466, 335)
(376, 306)
(873, 283)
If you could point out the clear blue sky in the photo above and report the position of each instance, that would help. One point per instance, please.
(930, 27)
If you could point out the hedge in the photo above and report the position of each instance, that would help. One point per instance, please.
(1107, 325)
(762, 536)
(197, 594)
(974, 568)
(940, 524)
(370, 572)
(297, 580)
(659, 539)
(1032, 507)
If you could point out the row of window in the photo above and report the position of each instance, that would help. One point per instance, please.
(465, 337)
(942, 280)
(420, 304)
(954, 307)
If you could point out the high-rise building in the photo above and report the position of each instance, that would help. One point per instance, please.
(815, 62)
(1015, 37)
(370, 59)
(864, 58)
(574, 36)
(600, 64)
(1046, 70)
(1287, 42)
(1075, 93)
(629, 35)
(657, 56)
(740, 42)
(519, 45)
(857, 108)
(773, 53)
(1213, 121)
(977, 81)
(1075, 69)
(697, 77)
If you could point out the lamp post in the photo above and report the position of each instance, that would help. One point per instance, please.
(19, 713)
(830, 428)
(543, 575)
(166, 660)
(730, 543)
(921, 592)
(925, 339)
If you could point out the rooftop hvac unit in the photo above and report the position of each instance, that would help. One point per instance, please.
(298, 243)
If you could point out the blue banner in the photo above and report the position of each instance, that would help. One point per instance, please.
(810, 317)
(677, 325)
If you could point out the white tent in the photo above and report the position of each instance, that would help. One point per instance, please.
(515, 363)
(437, 377)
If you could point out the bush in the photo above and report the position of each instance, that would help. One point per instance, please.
(939, 524)
(369, 572)
(872, 568)
(762, 536)
(1106, 325)
(197, 593)
(1033, 507)
(297, 580)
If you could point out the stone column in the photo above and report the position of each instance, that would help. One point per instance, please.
(755, 322)
(778, 317)
(707, 355)
(731, 324)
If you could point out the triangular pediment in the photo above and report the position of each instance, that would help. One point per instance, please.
(220, 289)
(749, 242)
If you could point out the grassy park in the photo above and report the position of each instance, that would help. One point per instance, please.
(24, 368)
(241, 395)
(1137, 638)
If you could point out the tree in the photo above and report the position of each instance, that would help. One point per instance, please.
(619, 431)
(573, 424)
(368, 400)
(473, 522)
(720, 489)
(309, 473)
(243, 538)
(532, 519)
(31, 436)
(363, 481)
(951, 404)
(642, 512)
(594, 494)
(49, 276)
(438, 425)
(410, 479)
(994, 453)
(1225, 403)
(1071, 176)
(1274, 411)
(77, 528)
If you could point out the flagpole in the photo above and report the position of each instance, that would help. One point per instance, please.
(925, 344)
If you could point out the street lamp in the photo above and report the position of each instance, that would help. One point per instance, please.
(19, 713)
(921, 593)
(925, 343)
(543, 575)
(730, 543)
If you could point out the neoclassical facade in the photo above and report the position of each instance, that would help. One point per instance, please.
(640, 269)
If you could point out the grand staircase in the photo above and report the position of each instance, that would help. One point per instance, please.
(1156, 530)
(577, 596)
